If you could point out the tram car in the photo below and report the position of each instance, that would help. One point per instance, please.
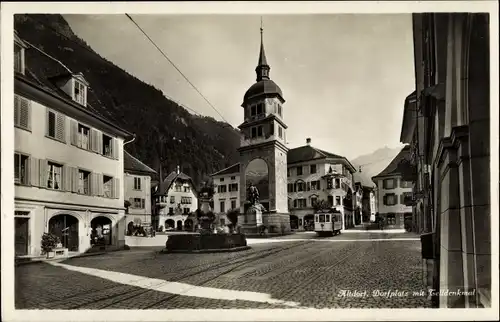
(328, 223)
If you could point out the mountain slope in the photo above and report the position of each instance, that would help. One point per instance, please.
(371, 164)
(166, 132)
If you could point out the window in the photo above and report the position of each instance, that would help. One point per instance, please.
(330, 201)
(187, 189)
(321, 218)
(312, 168)
(233, 178)
(260, 108)
(222, 189)
(222, 206)
(221, 179)
(390, 199)
(18, 59)
(83, 182)
(21, 164)
(253, 110)
(178, 187)
(55, 125)
(337, 183)
(301, 203)
(271, 129)
(54, 176)
(254, 132)
(327, 218)
(172, 199)
(22, 112)
(80, 94)
(107, 145)
(406, 184)
(314, 200)
(139, 203)
(389, 183)
(171, 211)
(233, 204)
(280, 132)
(107, 182)
(290, 187)
(300, 186)
(186, 200)
(137, 183)
(299, 170)
(279, 110)
(315, 185)
(259, 131)
(83, 137)
(186, 211)
(233, 187)
(338, 201)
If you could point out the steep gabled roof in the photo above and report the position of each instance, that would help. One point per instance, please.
(235, 168)
(393, 168)
(308, 153)
(170, 179)
(133, 165)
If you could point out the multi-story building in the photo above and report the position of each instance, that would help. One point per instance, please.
(137, 191)
(368, 198)
(447, 123)
(393, 193)
(227, 192)
(174, 199)
(313, 175)
(68, 158)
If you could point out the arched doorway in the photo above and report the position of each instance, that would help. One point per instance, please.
(179, 224)
(169, 223)
(188, 225)
(294, 222)
(101, 230)
(66, 228)
(130, 228)
(309, 222)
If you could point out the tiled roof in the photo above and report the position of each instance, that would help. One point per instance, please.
(132, 164)
(307, 153)
(393, 167)
(171, 178)
(235, 168)
(43, 70)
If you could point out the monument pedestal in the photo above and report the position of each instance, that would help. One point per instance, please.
(256, 217)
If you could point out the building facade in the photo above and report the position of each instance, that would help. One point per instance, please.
(174, 199)
(68, 159)
(368, 198)
(137, 189)
(313, 175)
(447, 123)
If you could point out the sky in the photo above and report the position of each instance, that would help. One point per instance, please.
(344, 76)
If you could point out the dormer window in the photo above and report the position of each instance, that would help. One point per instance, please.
(19, 47)
(80, 92)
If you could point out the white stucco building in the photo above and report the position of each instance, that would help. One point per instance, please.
(68, 159)
(394, 195)
(137, 191)
(174, 199)
(227, 192)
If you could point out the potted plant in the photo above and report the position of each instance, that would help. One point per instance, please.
(49, 242)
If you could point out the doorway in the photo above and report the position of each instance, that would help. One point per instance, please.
(21, 235)
(66, 228)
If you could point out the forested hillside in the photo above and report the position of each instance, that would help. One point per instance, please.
(166, 132)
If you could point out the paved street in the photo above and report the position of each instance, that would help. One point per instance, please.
(300, 270)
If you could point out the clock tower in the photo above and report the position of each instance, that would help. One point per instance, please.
(263, 151)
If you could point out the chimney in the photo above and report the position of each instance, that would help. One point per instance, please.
(308, 141)
(178, 169)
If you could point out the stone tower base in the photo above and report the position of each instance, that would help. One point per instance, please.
(275, 223)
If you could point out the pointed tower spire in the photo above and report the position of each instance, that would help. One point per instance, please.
(263, 68)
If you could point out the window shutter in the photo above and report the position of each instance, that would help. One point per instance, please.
(60, 127)
(94, 189)
(73, 131)
(395, 183)
(99, 142)
(94, 144)
(100, 184)
(402, 199)
(44, 168)
(114, 148)
(116, 188)
(17, 108)
(34, 172)
(24, 114)
(384, 185)
(308, 186)
(318, 184)
(66, 178)
(74, 180)
(385, 200)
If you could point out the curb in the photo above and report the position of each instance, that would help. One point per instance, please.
(38, 261)
(222, 250)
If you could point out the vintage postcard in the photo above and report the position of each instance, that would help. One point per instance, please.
(243, 161)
